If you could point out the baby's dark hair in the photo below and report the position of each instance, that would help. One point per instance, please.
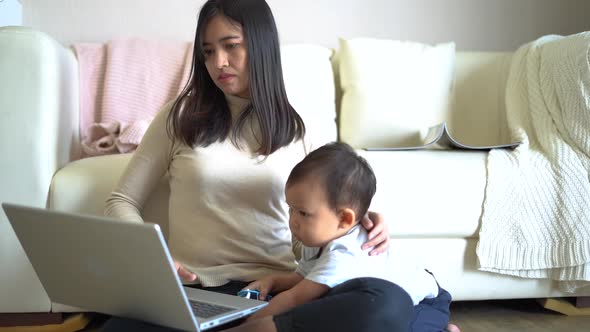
(348, 178)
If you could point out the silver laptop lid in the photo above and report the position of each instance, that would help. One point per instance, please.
(103, 265)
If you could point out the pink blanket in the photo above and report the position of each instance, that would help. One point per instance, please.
(123, 84)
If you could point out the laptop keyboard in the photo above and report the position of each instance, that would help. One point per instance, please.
(206, 310)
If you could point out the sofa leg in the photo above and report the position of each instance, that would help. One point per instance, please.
(30, 319)
(583, 302)
(566, 306)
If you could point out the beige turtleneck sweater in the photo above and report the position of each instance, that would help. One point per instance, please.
(228, 219)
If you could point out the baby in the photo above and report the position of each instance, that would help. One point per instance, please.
(328, 193)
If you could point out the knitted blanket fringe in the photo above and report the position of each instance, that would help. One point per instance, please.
(536, 212)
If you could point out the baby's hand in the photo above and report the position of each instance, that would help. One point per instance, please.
(253, 294)
(264, 286)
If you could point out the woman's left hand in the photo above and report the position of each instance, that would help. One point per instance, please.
(378, 233)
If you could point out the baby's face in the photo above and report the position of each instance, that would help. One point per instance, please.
(311, 219)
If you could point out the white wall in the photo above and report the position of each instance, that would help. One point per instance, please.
(10, 12)
(486, 25)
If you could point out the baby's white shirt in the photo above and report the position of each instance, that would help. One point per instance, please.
(342, 260)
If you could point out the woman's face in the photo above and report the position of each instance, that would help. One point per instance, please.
(226, 57)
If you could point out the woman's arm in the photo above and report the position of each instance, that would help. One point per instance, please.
(303, 292)
(145, 169)
(378, 233)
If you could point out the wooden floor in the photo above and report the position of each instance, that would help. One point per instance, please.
(492, 316)
(513, 315)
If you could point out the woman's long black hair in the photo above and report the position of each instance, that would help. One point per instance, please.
(200, 116)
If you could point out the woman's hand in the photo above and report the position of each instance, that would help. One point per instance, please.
(378, 233)
(183, 273)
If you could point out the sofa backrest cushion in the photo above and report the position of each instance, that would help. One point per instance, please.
(392, 89)
(478, 110)
(476, 113)
(309, 81)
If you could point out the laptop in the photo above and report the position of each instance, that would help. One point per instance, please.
(117, 268)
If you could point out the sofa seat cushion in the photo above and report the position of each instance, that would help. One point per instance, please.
(429, 193)
(424, 194)
(455, 265)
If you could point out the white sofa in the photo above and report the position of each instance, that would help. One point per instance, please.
(431, 199)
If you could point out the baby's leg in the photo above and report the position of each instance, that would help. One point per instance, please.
(433, 314)
(358, 305)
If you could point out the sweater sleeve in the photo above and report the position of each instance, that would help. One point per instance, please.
(149, 163)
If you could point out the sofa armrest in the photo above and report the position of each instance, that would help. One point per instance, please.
(39, 109)
(38, 135)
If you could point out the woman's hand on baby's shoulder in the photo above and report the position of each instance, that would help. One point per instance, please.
(378, 233)
(183, 273)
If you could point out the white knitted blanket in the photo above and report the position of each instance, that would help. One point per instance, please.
(536, 218)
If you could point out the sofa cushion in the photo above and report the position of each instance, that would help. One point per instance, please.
(478, 115)
(392, 90)
(429, 194)
(309, 81)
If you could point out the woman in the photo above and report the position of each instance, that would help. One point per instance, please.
(228, 143)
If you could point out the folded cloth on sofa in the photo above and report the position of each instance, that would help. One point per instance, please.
(536, 218)
(123, 84)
